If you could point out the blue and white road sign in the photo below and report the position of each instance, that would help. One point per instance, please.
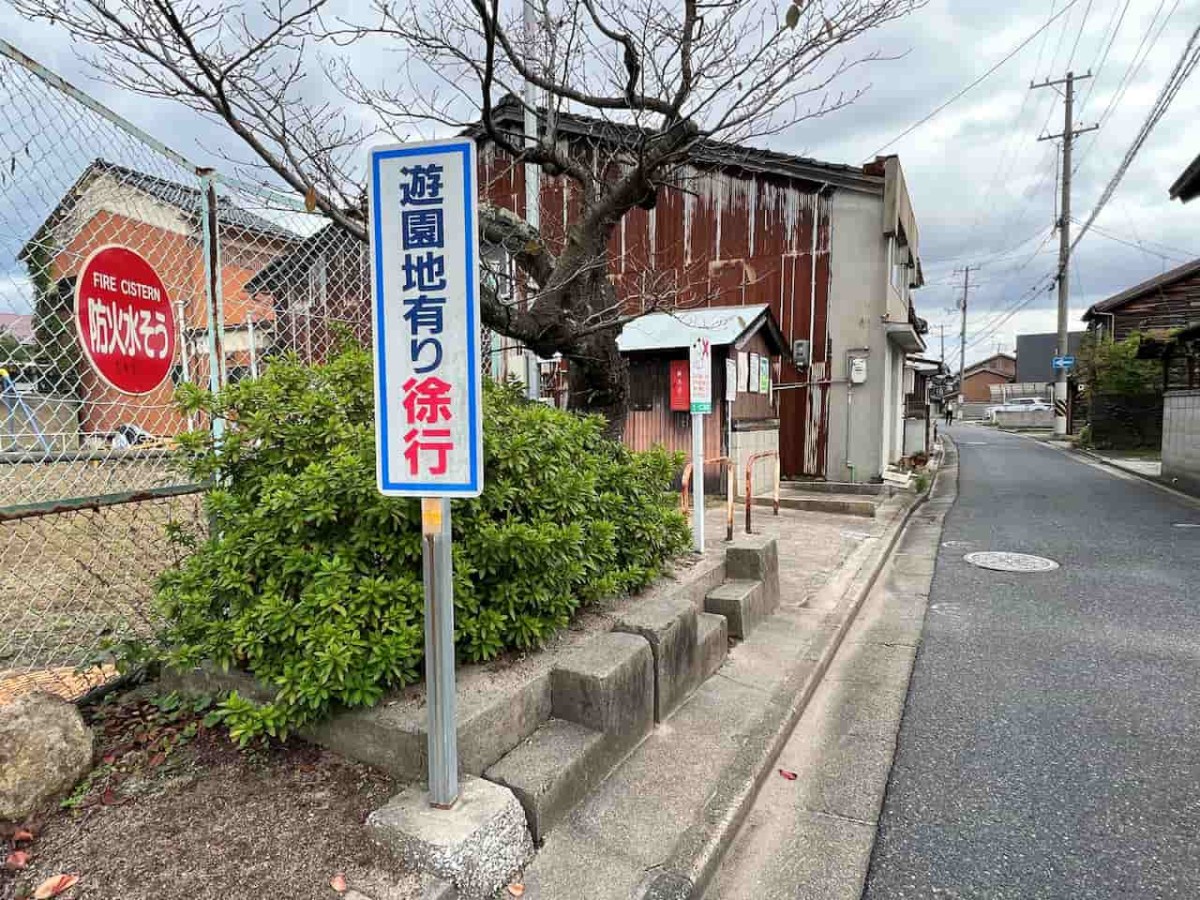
(1063, 362)
(425, 277)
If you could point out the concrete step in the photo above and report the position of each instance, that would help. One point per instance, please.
(843, 504)
(669, 625)
(742, 602)
(552, 770)
(712, 641)
(835, 487)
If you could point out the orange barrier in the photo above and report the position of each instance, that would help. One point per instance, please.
(754, 457)
(685, 494)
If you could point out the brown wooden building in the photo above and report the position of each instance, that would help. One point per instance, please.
(745, 226)
(657, 347)
(1158, 308)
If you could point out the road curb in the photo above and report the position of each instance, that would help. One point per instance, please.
(700, 850)
(1087, 455)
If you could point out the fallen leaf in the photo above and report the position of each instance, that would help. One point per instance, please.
(16, 861)
(790, 776)
(338, 883)
(54, 886)
(516, 889)
(310, 199)
(22, 834)
(109, 759)
(157, 760)
(108, 798)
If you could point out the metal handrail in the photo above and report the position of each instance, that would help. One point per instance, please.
(755, 457)
(684, 494)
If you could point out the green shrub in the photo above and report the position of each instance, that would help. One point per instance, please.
(312, 580)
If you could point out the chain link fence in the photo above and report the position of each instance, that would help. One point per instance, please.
(89, 474)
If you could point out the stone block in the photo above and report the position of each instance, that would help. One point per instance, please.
(756, 558)
(712, 633)
(551, 771)
(608, 685)
(396, 738)
(393, 736)
(742, 603)
(479, 844)
(45, 748)
(669, 625)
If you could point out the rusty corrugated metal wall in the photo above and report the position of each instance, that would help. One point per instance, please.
(721, 238)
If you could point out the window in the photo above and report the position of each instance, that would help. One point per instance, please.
(642, 385)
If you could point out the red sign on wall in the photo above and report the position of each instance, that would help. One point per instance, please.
(681, 392)
(123, 316)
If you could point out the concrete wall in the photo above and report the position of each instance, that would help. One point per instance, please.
(1037, 418)
(746, 443)
(914, 436)
(858, 284)
(1181, 438)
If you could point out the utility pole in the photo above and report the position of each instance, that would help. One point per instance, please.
(962, 336)
(1069, 133)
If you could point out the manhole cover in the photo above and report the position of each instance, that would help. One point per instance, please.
(1011, 562)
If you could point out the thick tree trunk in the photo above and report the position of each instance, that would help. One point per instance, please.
(599, 380)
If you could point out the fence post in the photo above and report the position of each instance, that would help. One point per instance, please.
(252, 339)
(215, 301)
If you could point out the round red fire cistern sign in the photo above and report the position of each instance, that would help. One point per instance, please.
(123, 316)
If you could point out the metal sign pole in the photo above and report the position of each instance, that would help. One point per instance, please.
(698, 481)
(439, 652)
(428, 390)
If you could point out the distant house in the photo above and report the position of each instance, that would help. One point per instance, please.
(978, 379)
(1036, 352)
(921, 402)
(162, 220)
(657, 348)
(18, 326)
(320, 288)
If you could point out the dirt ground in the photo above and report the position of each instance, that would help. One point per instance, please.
(174, 811)
(71, 582)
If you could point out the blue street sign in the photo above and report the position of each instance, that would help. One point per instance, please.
(1063, 362)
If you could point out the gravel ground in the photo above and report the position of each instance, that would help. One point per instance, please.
(174, 811)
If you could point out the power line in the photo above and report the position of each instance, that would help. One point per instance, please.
(1079, 34)
(1002, 170)
(1098, 67)
(1021, 46)
(1183, 69)
(1180, 256)
(1132, 70)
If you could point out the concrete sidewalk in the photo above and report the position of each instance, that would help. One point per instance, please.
(658, 825)
(811, 836)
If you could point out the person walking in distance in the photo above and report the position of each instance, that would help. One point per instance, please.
(949, 413)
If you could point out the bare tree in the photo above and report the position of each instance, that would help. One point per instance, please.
(653, 81)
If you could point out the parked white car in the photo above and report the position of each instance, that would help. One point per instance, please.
(1020, 404)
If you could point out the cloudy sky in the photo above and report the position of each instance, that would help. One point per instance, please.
(982, 185)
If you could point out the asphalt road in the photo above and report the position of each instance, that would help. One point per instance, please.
(1050, 745)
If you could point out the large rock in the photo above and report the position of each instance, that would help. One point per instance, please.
(45, 748)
